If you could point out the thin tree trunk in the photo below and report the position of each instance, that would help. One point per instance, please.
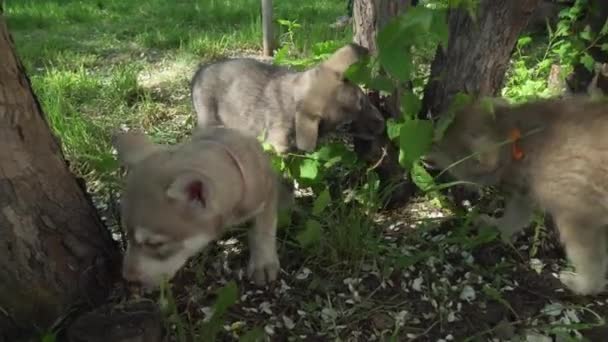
(54, 251)
(477, 54)
(369, 17)
(267, 32)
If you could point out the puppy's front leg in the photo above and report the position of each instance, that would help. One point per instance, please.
(264, 262)
(518, 213)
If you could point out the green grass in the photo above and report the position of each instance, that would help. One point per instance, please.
(86, 60)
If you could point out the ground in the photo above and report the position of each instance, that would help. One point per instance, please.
(417, 273)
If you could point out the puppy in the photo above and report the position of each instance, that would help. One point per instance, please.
(549, 154)
(177, 199)
(290, 109)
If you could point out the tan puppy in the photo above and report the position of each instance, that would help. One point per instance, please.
(179, 198)
(551, 154)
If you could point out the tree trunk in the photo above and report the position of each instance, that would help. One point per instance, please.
(478, 53)
(369, 17)
(54, 251)
(267, 31)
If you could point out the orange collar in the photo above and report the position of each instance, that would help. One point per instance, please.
(516, 151)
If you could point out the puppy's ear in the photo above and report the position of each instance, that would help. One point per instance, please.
(344, 57)
(189, 189)
(133, 147)
(307, 130)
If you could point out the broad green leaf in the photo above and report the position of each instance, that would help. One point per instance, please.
(588, 62)
(226, 297)
(333, 153)
(359, 72)
(381, 83)
(410, 105)
(604, 47)
(415, 140)
(393, 53)
(419, 16)
(393, 128)
(396, 61)
(309, 169)
(421, 177)
(460, 100)
(321, 202)
(604, 30)
(440, 27)
(311, 234)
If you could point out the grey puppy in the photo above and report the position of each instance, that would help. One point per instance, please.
(551, 155)
(179, 198)
(283, 105)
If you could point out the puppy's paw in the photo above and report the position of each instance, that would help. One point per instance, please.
(263, 269)
(582, 284)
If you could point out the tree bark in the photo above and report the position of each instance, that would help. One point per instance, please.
(478, 53)
(369, 17)
(54, 251)
(267, 31)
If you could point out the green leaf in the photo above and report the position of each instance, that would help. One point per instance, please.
(393, 128)
(415, 140)
(309, 169)
(359, 72)
(604, 30)
(393, 53)
(588, 62)
(397, 62)
(410, 105)
(604, 47)
(321, 202)
(460, 100)
(253, 335)
(523, 41)
(382, 83)
(586, 34)
(311, 234)
(226, 297)
(421, 177)
(440, 27)
(419, 16)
